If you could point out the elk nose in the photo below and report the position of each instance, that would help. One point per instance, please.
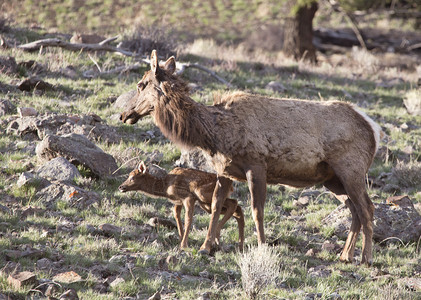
(122, 188)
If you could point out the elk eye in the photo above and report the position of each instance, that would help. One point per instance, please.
(141, 86)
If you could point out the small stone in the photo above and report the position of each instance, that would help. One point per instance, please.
(68, 277)
(110, 229)
(69, 295)
(44, 263)
(22, 279)
(117, 281)
(172, 260)
(311, 252)
(27, 112)
(328, 246)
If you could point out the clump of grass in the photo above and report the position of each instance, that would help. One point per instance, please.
(364, 60)
(259, 268)
(143, 40)
(407, 175)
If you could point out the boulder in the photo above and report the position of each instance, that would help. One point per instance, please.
(62, 191)
(58, 168)
(195, 159)
(21, 279)
(38, 126)
(78, 150)
(123, 100)
(397, 218)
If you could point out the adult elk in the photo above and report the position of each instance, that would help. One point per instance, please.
(184, 187)
(266, 140)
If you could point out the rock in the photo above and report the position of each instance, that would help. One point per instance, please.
(328, 246)
(205, 296)
(67, 277)
(78, 150)
(27, 112)
(195, 159)
(60, 169)
(412, 102)
(59, 124)
(319, 272)
(22, 279)
(399, 219)
(29, 179)
(123, 100)
(156, 296)
(311, 252)
(69, 193)
(70, 294)
(82, 38)
(109, 229)
(8, 65)
(34, 83)
(44, 263)
(16, 254)
(69, 72)
(301, 202)
(155, 221)
(276, 87)
(6, 107)
(30, 211)
(117, 281)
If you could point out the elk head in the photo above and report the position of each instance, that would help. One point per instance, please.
(133, 182)
(149, 90)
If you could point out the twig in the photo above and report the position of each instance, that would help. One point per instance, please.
(351, 20)
(109, 40)
(413, 47)
(95, 62)
(184, 66)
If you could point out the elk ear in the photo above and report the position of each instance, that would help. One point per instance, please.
(154, 61)
(169, 65)
(142, 167)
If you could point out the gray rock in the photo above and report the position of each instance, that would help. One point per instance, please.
(412, 102)
(66, 192)
(275, 86)
(89, 125)
(78, 150)
(59, 169)
(123, 100)
(195, 159)
(6, 107)
(44, 263)
(396, 219)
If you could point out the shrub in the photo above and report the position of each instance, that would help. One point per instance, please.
(259, 268)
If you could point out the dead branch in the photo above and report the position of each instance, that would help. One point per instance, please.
(36, 45)
(336, 7)
(183, 66)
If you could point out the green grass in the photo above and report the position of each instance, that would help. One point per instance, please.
(291, 230)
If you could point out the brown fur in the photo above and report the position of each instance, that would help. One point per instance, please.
(266, 140)
(183, 187)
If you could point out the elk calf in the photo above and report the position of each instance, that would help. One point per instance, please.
(183, 187)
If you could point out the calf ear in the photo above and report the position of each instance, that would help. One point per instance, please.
(142, 167)
(154, 62)
(169, 65)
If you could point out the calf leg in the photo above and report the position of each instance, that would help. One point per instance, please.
(188, 220)
(256, 179)
(239, 216)
(230, 206)
(177, 216)
(222, 188)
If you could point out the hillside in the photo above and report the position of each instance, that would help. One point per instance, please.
(75, 231)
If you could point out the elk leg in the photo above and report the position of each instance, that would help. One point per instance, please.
(177, 216)
(347, 254)
(362, 210)
(222, 188)
(188, 220)
(239, 216)
(230, 205)
(256, 179)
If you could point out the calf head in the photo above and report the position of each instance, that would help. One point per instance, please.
(136, 179)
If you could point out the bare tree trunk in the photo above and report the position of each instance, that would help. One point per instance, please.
(298, 33)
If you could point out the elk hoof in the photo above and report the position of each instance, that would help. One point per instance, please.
(204, 252)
